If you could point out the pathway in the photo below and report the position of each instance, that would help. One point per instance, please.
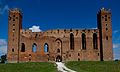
(61, 67)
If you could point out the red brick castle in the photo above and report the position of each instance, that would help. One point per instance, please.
(60, 44)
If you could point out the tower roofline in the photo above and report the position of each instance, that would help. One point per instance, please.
(104, 10)
(16, 10)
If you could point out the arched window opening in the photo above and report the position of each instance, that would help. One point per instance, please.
(98, 54)
(83, 41)
(106, 37)
(95, 43)
(12, 49)
(13, 15)
(58, 58)
(29, 54)
(78, 54)
(36, 35)
(58, 50)
(71, 41)
(34, 47)
(46, 47)
(23, 47)
(69, 55)
(13, 19)
(29, 59)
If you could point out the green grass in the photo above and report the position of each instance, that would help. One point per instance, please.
(94, 66)
(28, 67)
(79, 66)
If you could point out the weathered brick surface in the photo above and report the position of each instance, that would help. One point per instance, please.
(58, 42)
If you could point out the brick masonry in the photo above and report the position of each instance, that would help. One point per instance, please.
(60, 44)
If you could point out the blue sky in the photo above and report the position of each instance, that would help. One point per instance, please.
(59, 14)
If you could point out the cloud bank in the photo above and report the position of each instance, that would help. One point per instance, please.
(3, 46)
(117, 45)
(35, 29)
(3, 42)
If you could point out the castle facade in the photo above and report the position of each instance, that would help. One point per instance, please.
(60, 44)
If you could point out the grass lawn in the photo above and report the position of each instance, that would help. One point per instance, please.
(94, 66)
(79, 66)
(28, 67)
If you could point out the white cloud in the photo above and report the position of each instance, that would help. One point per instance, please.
(3, 46)
(94, 28)
(3, 42)
(116, 53)
(35, 29)
(117, 56)
(3, 9)
(3, 50)
(117, 45)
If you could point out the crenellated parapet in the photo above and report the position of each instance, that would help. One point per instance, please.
(66, 32)
(29, 34)
(15, 11)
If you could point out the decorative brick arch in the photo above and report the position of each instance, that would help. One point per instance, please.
(22, 47)
(34, 47)
(58, 46)
(95, 43)
(46, 47)
(71, 41)
(58, 58)
(83, 41)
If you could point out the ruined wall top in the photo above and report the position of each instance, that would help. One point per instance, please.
(16, 10)
(57, 33)
(104, 10)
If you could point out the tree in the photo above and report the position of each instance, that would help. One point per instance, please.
(3, 58)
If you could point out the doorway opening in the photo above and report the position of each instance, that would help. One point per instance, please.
(58, 58)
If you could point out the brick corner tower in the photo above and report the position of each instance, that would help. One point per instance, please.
(105, 28)
(14, 27)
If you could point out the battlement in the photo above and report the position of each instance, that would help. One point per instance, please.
(59, 31)
(104, 10)
(15, 10)
(28, 33)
